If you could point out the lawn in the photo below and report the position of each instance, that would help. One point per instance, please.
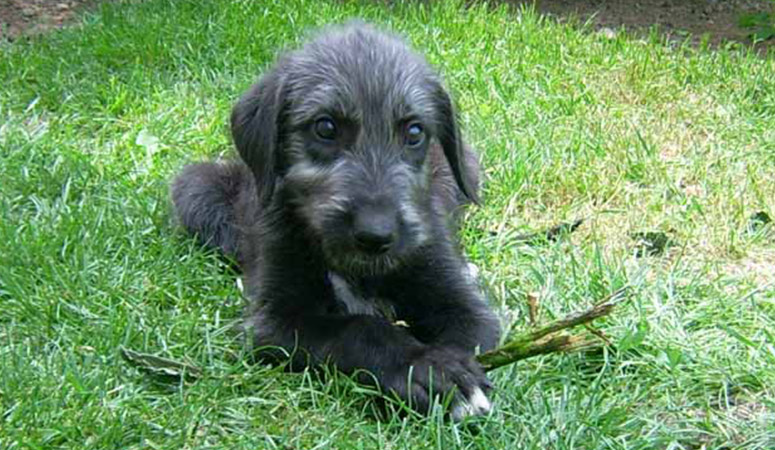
(634, 134)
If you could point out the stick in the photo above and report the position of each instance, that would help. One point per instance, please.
(551, 338)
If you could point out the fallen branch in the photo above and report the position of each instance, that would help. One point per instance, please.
(553, 337)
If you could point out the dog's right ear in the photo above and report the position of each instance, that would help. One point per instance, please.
(255, 127)
(454, 148)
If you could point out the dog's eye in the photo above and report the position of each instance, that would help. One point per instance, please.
(325, 128)
(415, 134)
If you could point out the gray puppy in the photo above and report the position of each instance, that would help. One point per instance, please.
(342, 214)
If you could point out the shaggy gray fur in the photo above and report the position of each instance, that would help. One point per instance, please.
(343, 213)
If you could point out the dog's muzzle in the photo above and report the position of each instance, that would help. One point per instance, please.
(375, 228)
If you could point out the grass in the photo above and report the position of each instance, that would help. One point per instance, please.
(634, 134)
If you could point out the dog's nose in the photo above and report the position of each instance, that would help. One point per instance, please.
(375, 231)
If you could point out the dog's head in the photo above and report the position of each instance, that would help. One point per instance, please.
(345, 126)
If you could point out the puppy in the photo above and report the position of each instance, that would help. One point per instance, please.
(342, 215)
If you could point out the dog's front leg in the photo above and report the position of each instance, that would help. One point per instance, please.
(443, 304)
(446, 311)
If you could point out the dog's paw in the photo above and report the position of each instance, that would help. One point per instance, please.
(438, 372)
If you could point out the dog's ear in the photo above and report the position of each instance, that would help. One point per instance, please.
(454, 148)
(255, 128)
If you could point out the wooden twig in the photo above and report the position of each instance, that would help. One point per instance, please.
(552, 337)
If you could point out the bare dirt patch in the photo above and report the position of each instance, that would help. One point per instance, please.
(716, 19)
(25, 17)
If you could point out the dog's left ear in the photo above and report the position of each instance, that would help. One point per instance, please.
(454, 148)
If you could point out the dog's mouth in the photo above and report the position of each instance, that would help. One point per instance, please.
(351, 253)
(363, 264)
(346, 256)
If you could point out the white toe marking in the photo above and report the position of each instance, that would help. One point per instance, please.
(473, 271)
(462, 410)
(480, 403)
(475, 405)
